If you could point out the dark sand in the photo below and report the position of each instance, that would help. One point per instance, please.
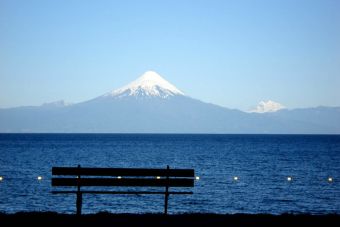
(196, 219)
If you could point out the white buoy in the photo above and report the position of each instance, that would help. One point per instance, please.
(330, 179)
(1, 178)
(235, 178)
(197, 177)
(289, 178)
(39, 178)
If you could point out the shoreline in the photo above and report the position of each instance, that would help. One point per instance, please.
(158, 219)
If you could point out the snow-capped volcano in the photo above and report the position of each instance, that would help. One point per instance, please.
(150, 84)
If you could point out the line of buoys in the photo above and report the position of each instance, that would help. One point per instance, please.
(289, 178)
(235, 178)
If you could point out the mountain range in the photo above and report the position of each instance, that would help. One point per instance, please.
(151, 104)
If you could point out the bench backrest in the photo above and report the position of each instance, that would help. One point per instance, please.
(78, 176)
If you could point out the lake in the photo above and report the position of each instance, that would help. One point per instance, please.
(262, 165)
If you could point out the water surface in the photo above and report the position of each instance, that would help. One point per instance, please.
(261, 163)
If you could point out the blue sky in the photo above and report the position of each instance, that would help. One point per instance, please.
(232, 53)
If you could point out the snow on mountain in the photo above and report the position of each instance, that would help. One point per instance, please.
(267, 106)
(150, 84)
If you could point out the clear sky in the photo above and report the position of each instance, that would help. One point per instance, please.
(232, 53)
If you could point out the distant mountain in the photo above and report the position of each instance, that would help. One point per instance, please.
(60, 103)
(151, 104)
(326, 119)
(267, 106)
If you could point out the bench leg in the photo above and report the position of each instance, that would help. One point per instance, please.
(166, 192)
(79, 202)
(166, 203)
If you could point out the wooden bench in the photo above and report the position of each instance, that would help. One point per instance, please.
(122, 177)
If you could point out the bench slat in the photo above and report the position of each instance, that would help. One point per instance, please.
(138, 182)
(122, 192)
(74, 171)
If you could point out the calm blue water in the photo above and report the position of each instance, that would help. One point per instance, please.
(262, 164)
